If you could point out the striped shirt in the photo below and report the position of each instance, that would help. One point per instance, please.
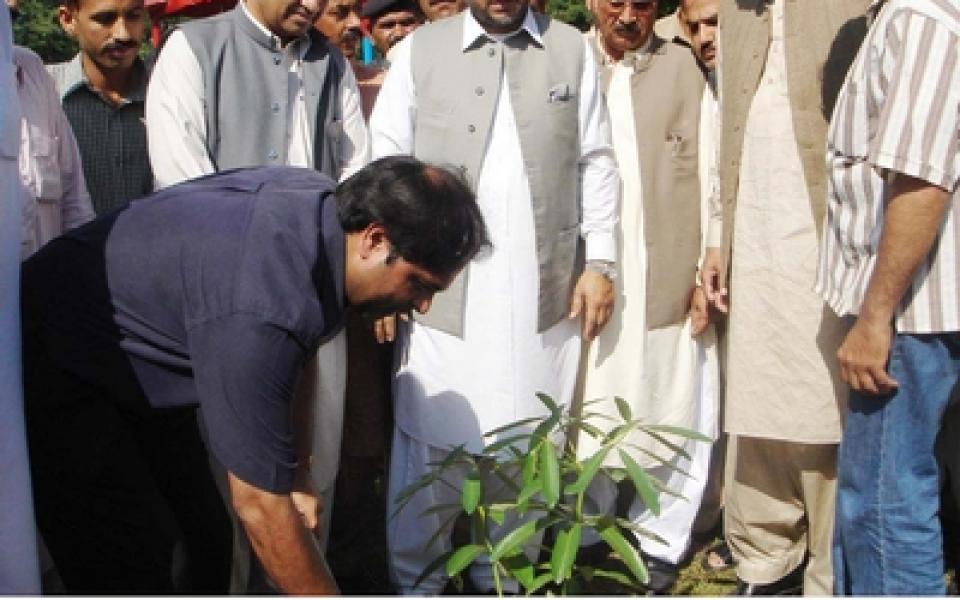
(898, 112)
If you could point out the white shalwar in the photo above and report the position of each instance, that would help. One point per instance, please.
(449, 391)
(667, 376)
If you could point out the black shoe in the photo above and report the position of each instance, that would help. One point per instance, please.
(663, 576)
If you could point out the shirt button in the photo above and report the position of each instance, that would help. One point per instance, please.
(277, 60)
(479, 91)
(471, 128)
(273, 155)
(491, 51)
(275, 107)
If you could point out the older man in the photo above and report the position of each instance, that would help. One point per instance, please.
(511, 98)
(781, 66)
(648, 354)
(890, 256)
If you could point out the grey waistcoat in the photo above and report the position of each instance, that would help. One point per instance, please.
(456, 97)
(245, 79)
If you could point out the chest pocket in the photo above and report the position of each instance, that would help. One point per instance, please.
(43, 175)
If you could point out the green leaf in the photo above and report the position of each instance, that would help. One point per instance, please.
(514, 540)
(565, 552)
(590, 468)
(539, 582)
(666, 442)
(529, 471)
(442, 530)
(627, 553)
(617, 576)
(438, 508)
(623, 408)
(641, 481)
(510, 426)
(520, 567)
(433, 566)
(543, 430)
(501, 444)
(548, 402)
(640, 531)
(497, 515)
(462, 557)
(661, 460)
(682, 432)
(529, 490)
(550, 474)
(470, 493)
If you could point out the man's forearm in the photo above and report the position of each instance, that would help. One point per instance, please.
(289, 553)
(912, 219)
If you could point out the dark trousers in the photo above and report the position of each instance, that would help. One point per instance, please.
(124, 495)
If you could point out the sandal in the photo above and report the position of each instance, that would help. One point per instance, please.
(717, 557)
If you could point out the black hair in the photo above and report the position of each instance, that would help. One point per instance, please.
(429, 212)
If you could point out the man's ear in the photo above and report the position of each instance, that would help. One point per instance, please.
(373, 240)
(67, 20)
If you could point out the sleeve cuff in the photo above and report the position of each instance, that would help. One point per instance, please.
(601, 245)
(714, 233)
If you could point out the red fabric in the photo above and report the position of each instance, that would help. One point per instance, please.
(161, 9)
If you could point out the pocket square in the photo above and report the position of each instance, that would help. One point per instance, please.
(559, 93)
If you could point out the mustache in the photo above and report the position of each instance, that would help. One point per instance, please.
(121, 45)
(625, 27)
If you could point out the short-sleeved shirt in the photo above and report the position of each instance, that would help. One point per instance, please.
(213, 293)
(898, 112)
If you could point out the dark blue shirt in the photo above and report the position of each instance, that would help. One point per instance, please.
(214, 293)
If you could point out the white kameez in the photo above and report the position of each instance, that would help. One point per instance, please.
(501, 360)
(667, 376)
(783, 380)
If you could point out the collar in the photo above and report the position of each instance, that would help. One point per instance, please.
(472, 31)
(73, 77)
(269, 39)
(634, 58)
(874, 10)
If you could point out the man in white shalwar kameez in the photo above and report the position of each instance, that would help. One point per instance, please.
(504, 338)
(649, 354)
(19, 572)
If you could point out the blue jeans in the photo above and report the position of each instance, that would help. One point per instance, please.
(887, 538)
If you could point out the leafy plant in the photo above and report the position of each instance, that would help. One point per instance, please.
(547, 488)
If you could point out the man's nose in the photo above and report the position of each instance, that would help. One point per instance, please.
(122, 30)
(423, 305)
(353, 21)
(628, 14)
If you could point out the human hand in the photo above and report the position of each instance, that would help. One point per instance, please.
(593, 297)
(863, 357)
(307, 501)
(710, 276)
(699, 312)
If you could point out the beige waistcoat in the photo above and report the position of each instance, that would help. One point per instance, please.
(667, 89)
(822, 38)
(456, 96)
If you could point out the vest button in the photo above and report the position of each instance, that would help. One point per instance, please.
(479, 91)
(491, 51)
(273, 155)
(276, 60)
(471, 128)
(275, 107)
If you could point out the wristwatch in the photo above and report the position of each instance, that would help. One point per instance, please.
(605, 267)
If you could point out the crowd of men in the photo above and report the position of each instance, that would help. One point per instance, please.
(260, 274)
